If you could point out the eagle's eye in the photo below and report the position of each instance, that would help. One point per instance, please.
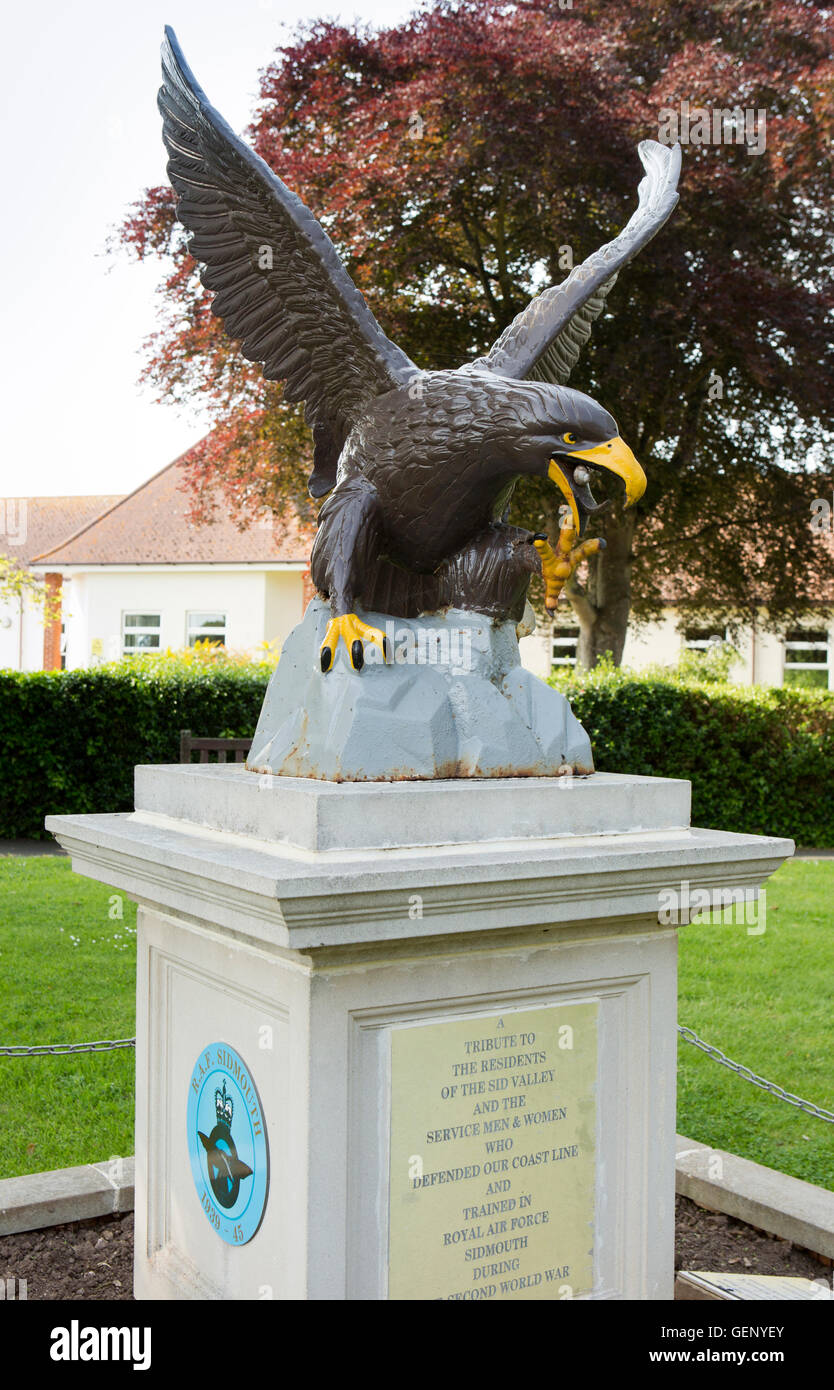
(569, 438)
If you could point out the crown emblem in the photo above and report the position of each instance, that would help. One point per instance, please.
(223, 1106)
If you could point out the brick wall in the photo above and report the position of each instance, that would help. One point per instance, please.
(52, 624)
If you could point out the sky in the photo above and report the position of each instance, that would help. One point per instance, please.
(82, 142)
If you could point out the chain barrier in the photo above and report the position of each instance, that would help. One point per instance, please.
(54, 1049)
(688, 1035)
(717, 1055)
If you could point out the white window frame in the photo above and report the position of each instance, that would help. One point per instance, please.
(703, 644)
(812, 643)
(145, 630)
(560, 643)
(202, 613)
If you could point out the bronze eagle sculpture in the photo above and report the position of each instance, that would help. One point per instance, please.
(416, 467)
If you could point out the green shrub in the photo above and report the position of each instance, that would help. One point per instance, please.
(70, 739)
(713, 664)
(759, 760)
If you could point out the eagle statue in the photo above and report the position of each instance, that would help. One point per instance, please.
(416, 467)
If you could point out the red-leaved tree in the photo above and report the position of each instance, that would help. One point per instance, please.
(463, 160)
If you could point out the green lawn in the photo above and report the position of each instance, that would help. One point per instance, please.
(767, 1001)
(67, 974)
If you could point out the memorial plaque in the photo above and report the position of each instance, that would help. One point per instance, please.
(492, 1161)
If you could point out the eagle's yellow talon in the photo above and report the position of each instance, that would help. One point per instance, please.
(354, 633)
(559, 565)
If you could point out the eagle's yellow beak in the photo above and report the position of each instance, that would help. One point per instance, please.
(617, 458)
(556, 476)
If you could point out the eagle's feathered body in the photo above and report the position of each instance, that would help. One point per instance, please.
(442, 452)
(417, 467)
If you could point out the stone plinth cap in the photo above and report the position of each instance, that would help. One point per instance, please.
(323, 817)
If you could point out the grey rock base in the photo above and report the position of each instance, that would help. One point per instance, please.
(455, 701)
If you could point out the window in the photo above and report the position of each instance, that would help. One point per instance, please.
(206, 627)
(565, 640)
(140, 633)
(807, 658)
(700, 639)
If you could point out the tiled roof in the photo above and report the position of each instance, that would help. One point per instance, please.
(151, 526)
(43, 522)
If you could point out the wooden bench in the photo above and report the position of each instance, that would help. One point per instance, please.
(220, 747)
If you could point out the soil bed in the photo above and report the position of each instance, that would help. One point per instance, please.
(94, 1259)
(710, 1241)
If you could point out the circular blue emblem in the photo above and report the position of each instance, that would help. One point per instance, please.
(227, 1143)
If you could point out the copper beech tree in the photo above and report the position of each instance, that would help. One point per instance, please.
(470, 156)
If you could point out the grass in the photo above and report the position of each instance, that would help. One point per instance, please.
(67, 974)
(767, 1001)
(67, 971)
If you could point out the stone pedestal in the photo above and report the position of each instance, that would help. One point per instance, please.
(452, 701)
(443, 1015)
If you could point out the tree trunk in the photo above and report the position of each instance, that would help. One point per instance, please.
(602, 603)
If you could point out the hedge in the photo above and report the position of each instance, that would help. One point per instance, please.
(759, 760)
(69, 740)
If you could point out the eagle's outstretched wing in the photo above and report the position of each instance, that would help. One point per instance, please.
(545, 339)
(280, 285)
